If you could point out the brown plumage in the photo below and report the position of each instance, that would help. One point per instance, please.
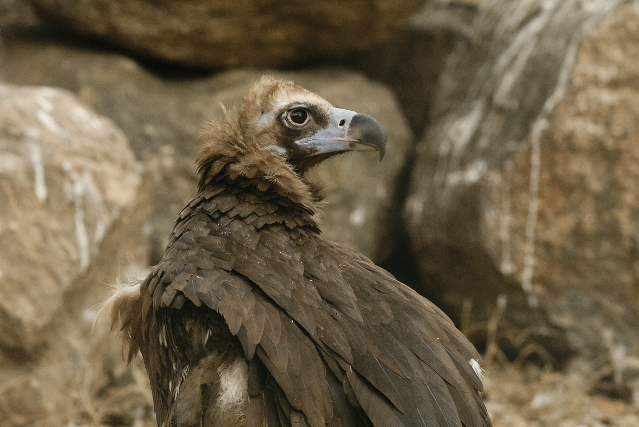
(251, 319)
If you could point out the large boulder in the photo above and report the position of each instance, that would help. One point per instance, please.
(17, 13)
(411, 61)
(526, 183)
(72, 217)
(163, 119)
(231, 33)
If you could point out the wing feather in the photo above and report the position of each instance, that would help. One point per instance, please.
(322, 319)
(372, 402)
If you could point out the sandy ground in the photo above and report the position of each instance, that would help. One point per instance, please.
(534, 397)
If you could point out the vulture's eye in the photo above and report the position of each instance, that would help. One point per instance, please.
(297, 116)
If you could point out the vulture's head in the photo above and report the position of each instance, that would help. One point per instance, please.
(281, 125)
(293, 123)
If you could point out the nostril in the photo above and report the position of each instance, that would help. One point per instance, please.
(341, 122)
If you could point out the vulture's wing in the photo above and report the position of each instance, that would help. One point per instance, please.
(320, 318)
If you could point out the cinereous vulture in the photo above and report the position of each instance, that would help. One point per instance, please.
(252, 319)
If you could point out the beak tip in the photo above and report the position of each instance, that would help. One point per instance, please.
(382, 151)
(368, 130)
(381, 145)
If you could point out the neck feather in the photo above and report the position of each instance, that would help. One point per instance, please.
(226, 158)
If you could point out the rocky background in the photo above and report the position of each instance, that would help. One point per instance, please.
(509, 194)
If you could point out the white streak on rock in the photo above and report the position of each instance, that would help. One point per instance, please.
(50, 124)
(415, 206)
(43, 102)
(538, 128)
(505, 265)
(533, 206)
(89, 315)
(462, 130)
(77, 192)
(381, 192)
(470, 175)
(33, 133)
(513, 60)
(96, 204)
(82, 236)
(358, 216)
(458, 136)
(100, 229)
(39, 183)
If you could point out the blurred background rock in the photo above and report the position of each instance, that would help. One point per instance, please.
(509, 194)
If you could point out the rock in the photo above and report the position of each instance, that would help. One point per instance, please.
(230, 33)
(71, 221)
(67, 175)
(411, 61)
(525, 184)
(17, 13)
(163, 119)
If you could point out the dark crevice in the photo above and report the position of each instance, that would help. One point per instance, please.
(164, 69)
(402, 262)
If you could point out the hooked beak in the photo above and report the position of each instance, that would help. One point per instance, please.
(347, 131)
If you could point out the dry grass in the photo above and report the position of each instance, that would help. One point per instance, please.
(518, 394)
(537, 397)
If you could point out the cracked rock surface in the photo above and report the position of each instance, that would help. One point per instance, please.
(525, 184)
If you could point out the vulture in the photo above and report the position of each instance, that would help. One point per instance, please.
(252, 319)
